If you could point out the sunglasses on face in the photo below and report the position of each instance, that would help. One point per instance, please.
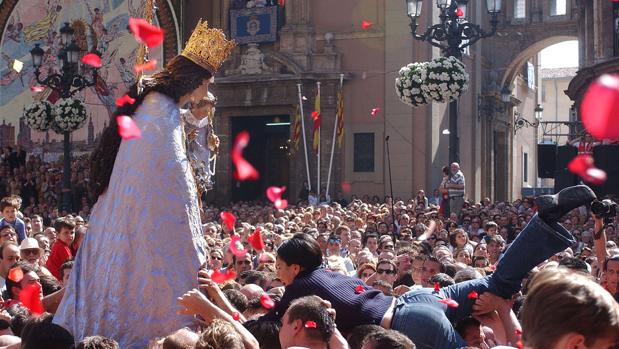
(243, 262)
(385, 271)
(31, 251)
(216, 257)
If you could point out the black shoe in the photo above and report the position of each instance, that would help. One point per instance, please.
(552, 207)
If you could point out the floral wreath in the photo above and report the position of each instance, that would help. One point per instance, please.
(40, 115)
(70, 115)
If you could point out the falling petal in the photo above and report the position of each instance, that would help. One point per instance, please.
(450, 302)
(595, 176)
(30, 297)
(519, 345)
(375, 112)
(18, 65)
(310, 324)
(266, 301)
(120, 101)
(37, 89)
(243, 169)
(459, 12)
(359, 289)
(15, 275)
(127, 129)
(236, 247)
(281, 204)
(473, 295)
(366, 25)
(236, 316)
(437, 287)
(346, 187)
(255, 240)
(145, 33)
(274, 193)
(599, 107)
(219, 277)
(580, 164)
(92, 60)
(150, 65)
(315, 115)
(228, 219)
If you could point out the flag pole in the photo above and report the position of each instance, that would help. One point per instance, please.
(309, 182)
(318, 155)
(334, 133)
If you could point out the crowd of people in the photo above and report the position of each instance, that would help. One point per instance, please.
(288, 293)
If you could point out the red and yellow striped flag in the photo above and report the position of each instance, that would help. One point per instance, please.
(316, 118)
(340, 118)
(296, 130)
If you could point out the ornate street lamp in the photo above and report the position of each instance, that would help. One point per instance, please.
(452, 35)
(66, 83)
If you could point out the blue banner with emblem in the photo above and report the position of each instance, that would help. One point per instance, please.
(254, 25)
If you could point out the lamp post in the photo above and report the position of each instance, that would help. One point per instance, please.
(452, 36)
(66, 83)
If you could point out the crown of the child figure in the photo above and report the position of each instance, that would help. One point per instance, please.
(208, 48)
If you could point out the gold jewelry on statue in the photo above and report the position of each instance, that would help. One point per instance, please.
(208, 48)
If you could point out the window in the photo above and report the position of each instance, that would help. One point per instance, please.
(558, 7)
(531, 75)
(520, 9)
(525, 167)
(364, 152)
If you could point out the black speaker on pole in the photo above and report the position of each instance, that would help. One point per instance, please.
(546, 160)
(563, 177)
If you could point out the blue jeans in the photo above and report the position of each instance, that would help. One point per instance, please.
(428, 323)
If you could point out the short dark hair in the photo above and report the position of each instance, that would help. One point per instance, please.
(97, 342)
(49, 284)
(443, 280)
(266, 333)
(64, 222)
(9, 201)
(19, 316)
(357, 335)
(575, 264)
(302, 250)
(310, 308)
(463, 325)
(25, 268)
(40, 332)
(66, 265)
(238, 300)
(389, 339)
(367, 236)
(4, 245)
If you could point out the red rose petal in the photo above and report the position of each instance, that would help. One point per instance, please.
(473, 295)
(280, 204)
(519, 345)
(228, 219)
(437, 287)
(243, 169)
(459, 12)
(346, 187)
(92, 60)
(492, 267)
(595, 176)
(236, 247)
(366, 25)
(315, 115)
(599, 107)
(255, 240)
(236, 316)
(30, 297)
(127, 129)
(146, 33)
(266, 301)
(450, 302)
(310, 324)
(359, 289)
(120, 101)
(275, 193)
(580, 164)
(219, 277)
(37, 89)
(375, 112)
(16, 274)
(150, 65)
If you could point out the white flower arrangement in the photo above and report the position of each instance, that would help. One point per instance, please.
(409, 82)
(447, 79)
(39, 115)
(70, 115)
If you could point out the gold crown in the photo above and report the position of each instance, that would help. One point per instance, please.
(208, 48)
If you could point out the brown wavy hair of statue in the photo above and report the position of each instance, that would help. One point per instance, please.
(180, 77)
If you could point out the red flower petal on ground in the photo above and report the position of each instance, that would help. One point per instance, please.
(437, 287)
(92, 60)
(599, 107)
(145, 33)
(16, 275)
(236, 316)
(375, 112)
(366, 25)
(120, 101)
(310, 324)
(359, 289)
(266, 301)
(219, 277)
(236, 247)
(228, 219)
(595, 176)
(243, 169)
(280, 204)
(255, 240)
(30, 297)
(473, 295)
(346, 187)
(150, 65)
(450, 302)
(127, 128)
(37, 89)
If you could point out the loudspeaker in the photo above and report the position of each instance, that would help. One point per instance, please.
(546, 160)
(563, 177)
